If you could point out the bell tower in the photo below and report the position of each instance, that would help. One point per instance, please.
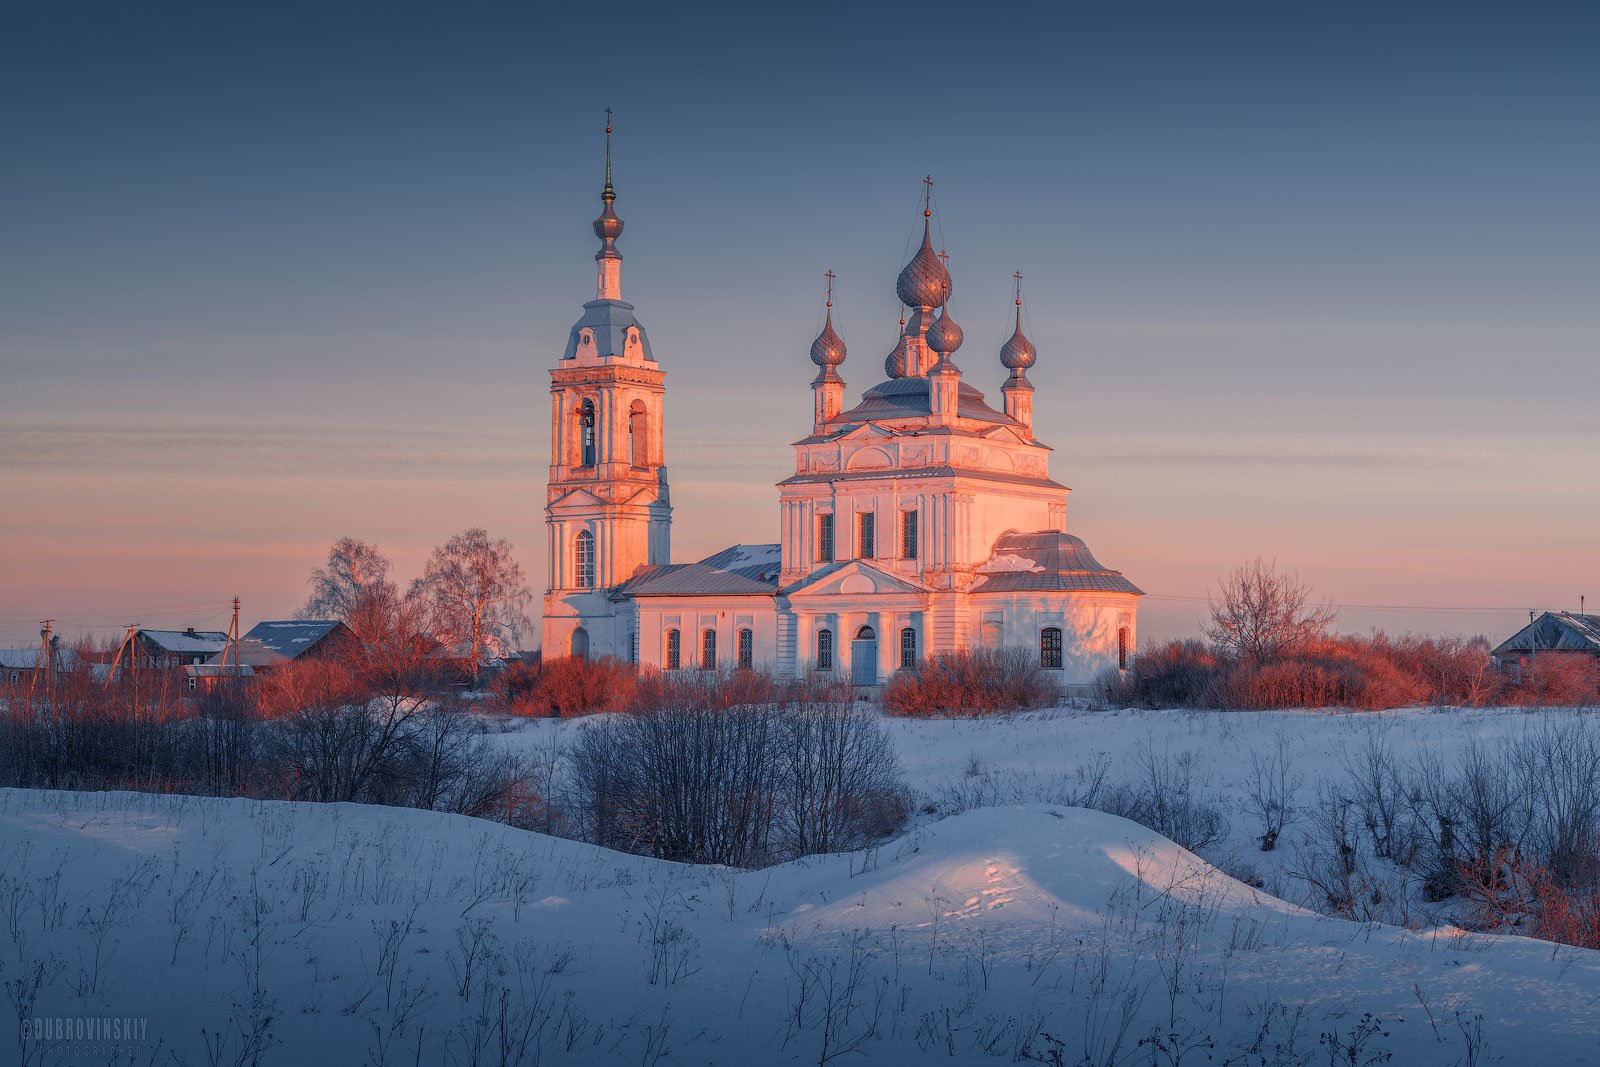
(607, 510)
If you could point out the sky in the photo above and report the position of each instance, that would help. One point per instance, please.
(1317, 283)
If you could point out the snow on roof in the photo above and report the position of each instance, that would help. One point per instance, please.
(741, 569)
(26, 659)
(268, 643)
(1047, 561)
(186, 640)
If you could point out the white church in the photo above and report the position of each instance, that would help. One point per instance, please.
(919, 521)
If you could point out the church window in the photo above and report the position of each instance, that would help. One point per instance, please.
(824, 650)
(866, 540)
(824, 538)
(638, 437)
(1050, 648)
(579, 647)
(586, 434)
(708, 650)
(633, 647)
(674, 651)
(908, 534)
(747, 649)
(583, 560)
(1122, 648)
(908, 649)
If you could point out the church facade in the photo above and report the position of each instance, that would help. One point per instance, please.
(919, 520)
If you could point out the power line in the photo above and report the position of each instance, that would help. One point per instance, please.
(1360, 607)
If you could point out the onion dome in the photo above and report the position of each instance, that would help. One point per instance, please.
(945, 335)
(1018, 353)
(924, 282)
(895, 365)
(828, 349)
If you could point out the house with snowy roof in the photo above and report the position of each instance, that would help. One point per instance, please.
(1551, 633)
(169, 649)
(269, 645)
(920, 520)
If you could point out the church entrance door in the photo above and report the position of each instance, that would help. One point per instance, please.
(864, 657)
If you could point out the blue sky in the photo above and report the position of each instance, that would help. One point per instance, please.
(1318, 285)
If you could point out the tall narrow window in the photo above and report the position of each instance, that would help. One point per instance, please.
(638, 435)
(583, 560)
(1122, 649)
(633, 647)
(586, 434)
(674, 650)
(580, 644)
(908, 649)
(747, 648)
(866, 529)
(908, 535)
(824, 538)
(1050, 648)
(824, 650)
(708, 650)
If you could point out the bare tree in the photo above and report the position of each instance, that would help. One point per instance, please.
(1259, 613)
(354, 587)
(476, 595)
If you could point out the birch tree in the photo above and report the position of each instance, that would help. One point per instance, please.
(476, 596)
(354, 587)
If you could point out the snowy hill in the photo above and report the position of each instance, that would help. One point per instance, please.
(344, 934)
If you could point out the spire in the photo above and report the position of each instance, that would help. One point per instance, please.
(608, 227)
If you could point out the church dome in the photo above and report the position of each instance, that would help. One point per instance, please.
(895, 365)
(608, 227)
(924, 282)
(1018, 353)
(945, 335)
(828, 349)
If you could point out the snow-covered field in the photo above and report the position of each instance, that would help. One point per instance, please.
(345, 934)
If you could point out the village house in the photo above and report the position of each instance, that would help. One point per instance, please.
(1550, 633)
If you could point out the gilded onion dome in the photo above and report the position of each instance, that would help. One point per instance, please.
(945, 335)
(828, 349)
(924, 282)
(895, 365)
(1018, 353)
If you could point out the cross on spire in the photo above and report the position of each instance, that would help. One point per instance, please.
(927, 196)
(828, 274)
(609, 193)
(1018, 277)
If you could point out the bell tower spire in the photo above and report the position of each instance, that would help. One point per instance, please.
(608, 227)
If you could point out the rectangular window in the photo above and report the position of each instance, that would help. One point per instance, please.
(866, 529)
(908, 535)
(824, 650)
(747, 649)
(708, 650)
(633, 647)
(824, 538)
(674, 650)
(1050, 648)
(908, 649)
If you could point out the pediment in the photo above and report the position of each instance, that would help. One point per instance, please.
(854, 578)
(866, 431)
(610, 494)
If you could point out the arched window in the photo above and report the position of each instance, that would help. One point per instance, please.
(583, 560)
(580, 643)
(1050, 648)
(747, 648)
(908, 649)
(1122, 648)
(866, 634)
(708, 650)
(824, 650)
(674, 650)
(586, 434)
(638, 435)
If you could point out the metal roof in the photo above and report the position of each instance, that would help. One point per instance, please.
(1555, 631)
(186, 640)
(609, 321)
(985, 475)
(909, 398)
(1047, 561)
(270, 643)
(741, 569)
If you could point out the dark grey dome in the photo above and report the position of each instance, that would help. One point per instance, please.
(945, 335)
(924, 282)
(1018, 352)
(828, 349)
(895, 365)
